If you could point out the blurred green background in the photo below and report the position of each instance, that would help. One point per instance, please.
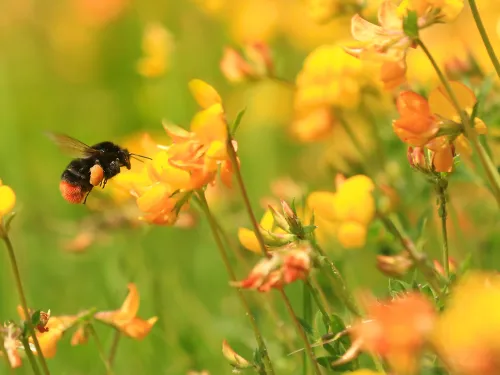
(71, 66)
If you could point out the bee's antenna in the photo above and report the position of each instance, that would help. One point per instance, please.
(140, 156)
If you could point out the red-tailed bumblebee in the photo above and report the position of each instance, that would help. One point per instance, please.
(93, 166)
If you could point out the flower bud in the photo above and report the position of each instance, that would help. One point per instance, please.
(276, 239)
(234, 358)
(292, 219)
(416, 158)
(279, 219)
(396, 265)
(452, 265)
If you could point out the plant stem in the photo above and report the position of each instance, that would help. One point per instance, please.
(100, 349)
(301, 332)
(30, 356)
(484, 36)
(376, 132)
(241, 185)
(307, 311)
(322, 297)
(365, 158)
(114, 347)
(22, 297)
(232, 277)
(443, 214)
(488, 165)
(418, 257)
(317, 300)
(234, 161)
(339, 285)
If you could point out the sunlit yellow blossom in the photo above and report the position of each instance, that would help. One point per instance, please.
(7, 199)
(157, 46)
(447, 10)
(329, 77)
(350, 209)
(313, 125)
(322, 10)
(125, 319)
(467, 333)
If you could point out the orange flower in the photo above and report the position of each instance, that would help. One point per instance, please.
(284, 267)
(125, 318)
(397, 331)
(416, 125)
(255, 64)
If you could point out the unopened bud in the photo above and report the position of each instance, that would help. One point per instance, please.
(81, 336)
(396, 265)
(452, 264)
(276, 239)
(279, 219)
(416, 158)
(292, 219)
(234, 358)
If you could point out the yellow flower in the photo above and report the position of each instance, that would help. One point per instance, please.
(448, 10)
(125, 319)
(467, 333)
(322, 11)
(7, 199)
(157, 46)
(248, 238)
(351, 209)
(313, 125)
(329, 77)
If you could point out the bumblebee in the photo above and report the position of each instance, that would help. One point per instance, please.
(93, 166)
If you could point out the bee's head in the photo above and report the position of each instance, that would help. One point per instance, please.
(124, 157)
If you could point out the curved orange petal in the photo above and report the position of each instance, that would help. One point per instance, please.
(130, 306)
(138, 328)
(442, 160)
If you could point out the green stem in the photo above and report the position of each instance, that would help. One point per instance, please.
(365, 157)
(241, 185)
(114, 347)
(339, 285)
(376, 134)
(301, 332)
(232, 277)
(317, 300)
(307, 306)
(234, 161)
(488, 165)
(22, 297)
(100, 349)
(484, 36)
(443, 214)
(418, 257)
(31, 357)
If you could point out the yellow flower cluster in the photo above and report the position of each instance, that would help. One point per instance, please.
(191, 162)
(7, 200)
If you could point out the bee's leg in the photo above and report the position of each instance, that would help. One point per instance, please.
(85, 200)
(103, 182)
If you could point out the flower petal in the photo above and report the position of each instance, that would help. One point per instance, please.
(440, 102)
(248, 239)
(7, 200)
(352, 235)
(204, 94)
(322, 203)
(130, 306)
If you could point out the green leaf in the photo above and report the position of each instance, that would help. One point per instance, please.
(397, 287)
(308, 229)
(466, 264)
(35, 317)
(337, 325)
(257, 357)
(237, 121)
(410, 24)
(320, 325)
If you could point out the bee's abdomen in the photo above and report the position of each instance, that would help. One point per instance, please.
(72, 193)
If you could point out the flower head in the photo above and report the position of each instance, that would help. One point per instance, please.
(467, 333)
(397, 330)
(125, 319)
(7, 200)
(255, 63)
(351, 209)
(439, 10)
(284, 267)
(157, 45)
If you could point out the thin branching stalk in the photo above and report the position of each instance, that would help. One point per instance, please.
(315, 284)
(418, 257)
(100, 349)
(307, 311)
(338, 283)
(114, 347)
(365, 157)
(488, 165)
(301, 332)
(232, 277)
(31, 357)
(22, 297)
(241, 185)
(443, 215)
(314, 293)
(484, 36)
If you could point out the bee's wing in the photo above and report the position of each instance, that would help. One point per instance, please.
(71, 146)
